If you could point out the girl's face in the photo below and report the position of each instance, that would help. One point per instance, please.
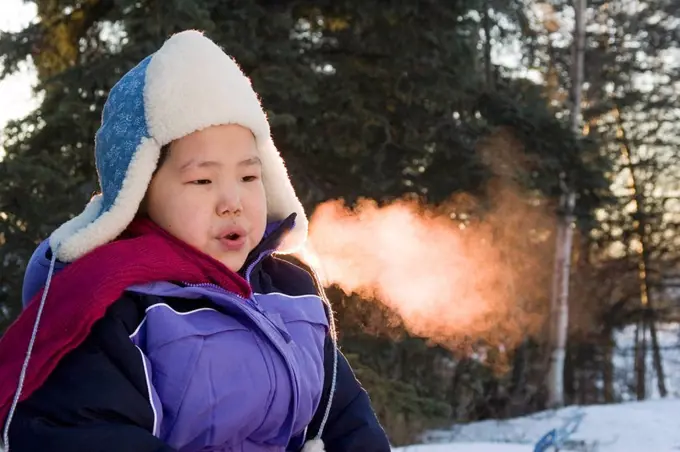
(209, 193)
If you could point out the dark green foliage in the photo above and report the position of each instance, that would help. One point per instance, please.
(366, 99)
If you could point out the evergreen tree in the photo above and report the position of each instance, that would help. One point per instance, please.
(365, 99)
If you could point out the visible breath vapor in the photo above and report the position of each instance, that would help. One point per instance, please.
(451, 271)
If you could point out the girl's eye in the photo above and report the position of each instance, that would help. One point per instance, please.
(201, 182)
(249, 178)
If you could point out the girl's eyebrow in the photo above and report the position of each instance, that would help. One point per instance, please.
(200, 164)
(252, 161)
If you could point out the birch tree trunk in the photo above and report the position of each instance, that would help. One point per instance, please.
(559, 302)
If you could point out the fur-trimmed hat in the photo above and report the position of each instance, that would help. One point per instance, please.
(189, 84)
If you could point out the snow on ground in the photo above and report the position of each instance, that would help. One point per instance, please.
(649, 426)
(467, 447)
(629, 427)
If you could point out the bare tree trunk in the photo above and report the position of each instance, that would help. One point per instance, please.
(488, 68)
(559, 302)
(640, 365)
(519, 380)
(646, 296)
(608, 366)
(656, 358)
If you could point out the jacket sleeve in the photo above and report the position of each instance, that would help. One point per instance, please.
(352, 425)
(96, 400)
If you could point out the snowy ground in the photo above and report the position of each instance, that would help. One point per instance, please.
(630, 427)
(467, 447)
(649, 426)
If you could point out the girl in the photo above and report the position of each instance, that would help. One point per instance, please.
(171, 325)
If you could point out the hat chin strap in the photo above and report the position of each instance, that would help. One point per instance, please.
(29, 350)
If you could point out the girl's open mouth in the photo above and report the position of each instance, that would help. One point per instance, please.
(233, 240)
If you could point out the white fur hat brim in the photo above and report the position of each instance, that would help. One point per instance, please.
(189, 84)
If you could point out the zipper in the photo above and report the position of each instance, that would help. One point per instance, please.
(286, 337)
(251, 301)
(217, 288)
(252, 265)
(249, 270)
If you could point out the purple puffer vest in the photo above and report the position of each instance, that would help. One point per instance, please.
(245, 376)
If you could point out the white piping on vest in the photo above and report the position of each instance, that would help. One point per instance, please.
(333, 333)
(149, 388)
